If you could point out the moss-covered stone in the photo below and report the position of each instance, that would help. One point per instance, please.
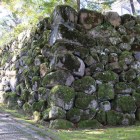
(39, 106)
(125, 46)
(123, 88)
(130, 75)
(42, 90)
(98, 67)
(54, 113)
(103, 58)
(105, 105)
(106, 76)
(138, 114)
(87, 84)
(89, 124)
(126, 57)
(128, 119)
(76, 49)
(59, 77)
(101, 117)
(62, 96)
(63, 32)
(127, 17)
(106, 92)
(63, 13)
(126, 104)
(74, 115)
(86, 102)
(137, 98)
(61, 124)
(113, 57)
(114, 118)
(137, 80)
(88, 114)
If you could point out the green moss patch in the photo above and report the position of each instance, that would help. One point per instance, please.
(106, 92)
(87, 84)
(61, 124)
(89, 124)
(63, 92)
(114, 118)
(106, 76)
(126, 104)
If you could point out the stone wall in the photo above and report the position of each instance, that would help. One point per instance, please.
(75, 70)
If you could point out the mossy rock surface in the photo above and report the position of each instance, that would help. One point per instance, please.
(128, 119)
(138, 114)
(89, 124)
(88, 114)
(87, 85)
(123, 88)
(71, 34)
(59, 77)
(64, 13)
(137, 98)
(126, 104)
(74, 115)
(68, 61)
(76, 49)
(54, 113)
(126, 57)
(86, 102)
(39, 106)
(114, 118)
(61, 124)
(106, 92)
(130, 75)
(62, 96)
(101, 116)
(106, 76)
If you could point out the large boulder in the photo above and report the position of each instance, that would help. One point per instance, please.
(60, 124)
(106, 92)
(74, 115)
(106, 76)
(62, 96)
(64, 14)
(86, 102)
(114, 118)
(60, 77)
(70, 34)
(54, 112)
(69, 62)
(87, 85)
(126, 104)
(90, 19)
(113, 18)
(123, 88)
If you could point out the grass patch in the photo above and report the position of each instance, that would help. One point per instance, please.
(117, 133)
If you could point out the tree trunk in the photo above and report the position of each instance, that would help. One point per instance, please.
(132, 6)
(78, 5)
(138, 1)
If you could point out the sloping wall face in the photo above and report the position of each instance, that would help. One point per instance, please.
(81, 70)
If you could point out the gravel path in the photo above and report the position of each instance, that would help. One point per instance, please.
(11, 129)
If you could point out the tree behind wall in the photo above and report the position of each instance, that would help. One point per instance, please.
(132, 6)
